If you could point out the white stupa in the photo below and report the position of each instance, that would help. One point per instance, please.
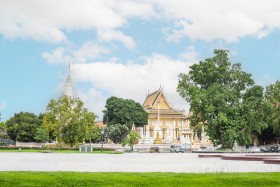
(68, 86)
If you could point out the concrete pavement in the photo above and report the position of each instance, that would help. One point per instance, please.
(127, 162)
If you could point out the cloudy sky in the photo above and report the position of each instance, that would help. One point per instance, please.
(126, 48)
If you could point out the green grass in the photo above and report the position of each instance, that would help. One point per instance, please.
(51, 179)
(55, 151)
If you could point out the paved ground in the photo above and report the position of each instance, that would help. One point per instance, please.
(128, 162)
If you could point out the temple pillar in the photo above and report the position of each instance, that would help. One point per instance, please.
(173, 130)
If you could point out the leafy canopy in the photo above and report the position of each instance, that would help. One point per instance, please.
(221, 97)
(117, 132)
(273, 95)
(3, 130)
(124, 111)
(41, 135)
(68, 121)
(22, 126)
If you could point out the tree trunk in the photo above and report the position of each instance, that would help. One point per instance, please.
(256, 140)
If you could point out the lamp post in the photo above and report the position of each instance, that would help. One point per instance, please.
(90, 139)
(102, 136)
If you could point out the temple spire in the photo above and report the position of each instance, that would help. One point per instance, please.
(68, 86)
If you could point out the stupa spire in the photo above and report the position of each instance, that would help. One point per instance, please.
(68, 86)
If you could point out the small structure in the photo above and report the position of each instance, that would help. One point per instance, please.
(85, 148)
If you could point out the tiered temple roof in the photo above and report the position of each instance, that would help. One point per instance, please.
(157, 100)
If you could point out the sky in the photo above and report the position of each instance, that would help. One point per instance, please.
(126, 48)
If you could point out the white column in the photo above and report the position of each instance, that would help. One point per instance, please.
(173, 130)
(157, 129)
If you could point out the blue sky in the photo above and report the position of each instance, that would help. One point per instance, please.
(126, 48)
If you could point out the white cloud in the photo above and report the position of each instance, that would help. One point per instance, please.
(47, 20)
(139, 9)
(132, 80)
(87, 52)
(111, 35)
(190, 54)
(219, 19)
(2, 105)
(57, 56)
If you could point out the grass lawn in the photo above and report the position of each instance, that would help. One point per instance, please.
(51, 179)
(54, 151)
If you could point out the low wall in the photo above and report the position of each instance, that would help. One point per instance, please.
(33, 144)
(136, 148)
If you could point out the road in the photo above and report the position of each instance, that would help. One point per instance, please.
(128, 162)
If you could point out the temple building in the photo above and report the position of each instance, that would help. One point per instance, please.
(166, 125)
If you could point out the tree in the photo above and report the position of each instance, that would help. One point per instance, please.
(117, 132)
(216, 91)
(273, 95)
(93, 135)
(3, 131)
(41, 135)
(67, 120)
(131, 140)
(255, 111)
(22, 126)
(124, 111)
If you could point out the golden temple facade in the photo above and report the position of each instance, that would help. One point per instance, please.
(166, 125)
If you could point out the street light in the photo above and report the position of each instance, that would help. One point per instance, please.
(102, 136)
(90, 139)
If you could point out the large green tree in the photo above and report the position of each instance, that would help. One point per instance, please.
(273, 95)
(124, 111)
(68, 121)
(117, 132)
(22, 126)
(219, 97)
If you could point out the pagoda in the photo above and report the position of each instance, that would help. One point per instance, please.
(166, 125)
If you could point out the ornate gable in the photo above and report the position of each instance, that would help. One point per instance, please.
(151, 101)
(165, 109)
